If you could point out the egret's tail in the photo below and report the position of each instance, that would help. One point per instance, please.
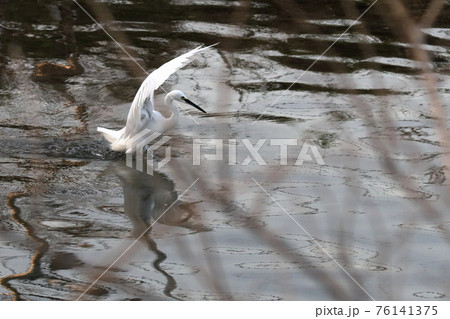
(114, 137)
(111, 135)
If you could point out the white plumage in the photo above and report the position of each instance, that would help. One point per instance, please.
(142, 114)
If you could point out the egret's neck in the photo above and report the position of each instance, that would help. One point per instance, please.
(173, 119)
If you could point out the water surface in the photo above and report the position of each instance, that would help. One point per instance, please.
(70, 207)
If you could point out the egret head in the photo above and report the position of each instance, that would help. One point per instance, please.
(177, 95)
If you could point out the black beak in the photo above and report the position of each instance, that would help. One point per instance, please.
(193, 104)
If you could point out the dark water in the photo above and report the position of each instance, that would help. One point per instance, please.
(377, 208)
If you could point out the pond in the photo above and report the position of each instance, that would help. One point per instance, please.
(318, 172)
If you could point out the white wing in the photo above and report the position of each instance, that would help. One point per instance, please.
(143, 101)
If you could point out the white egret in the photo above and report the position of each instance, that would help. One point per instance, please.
(142, 114)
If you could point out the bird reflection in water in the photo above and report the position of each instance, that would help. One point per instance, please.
(149, 199)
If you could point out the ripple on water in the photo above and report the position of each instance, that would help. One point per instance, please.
(429, 295)
(435, 228)
(95, 244)
(245, 222)
(238, 250)
(440, 33)
(203, 295)
(180, 269)
(335, 22)
(348, 38)
(58, 224)
(276, 265)
(360, 258)
(312, 264)
(226, 30)
(220, 3)
(236, 222)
